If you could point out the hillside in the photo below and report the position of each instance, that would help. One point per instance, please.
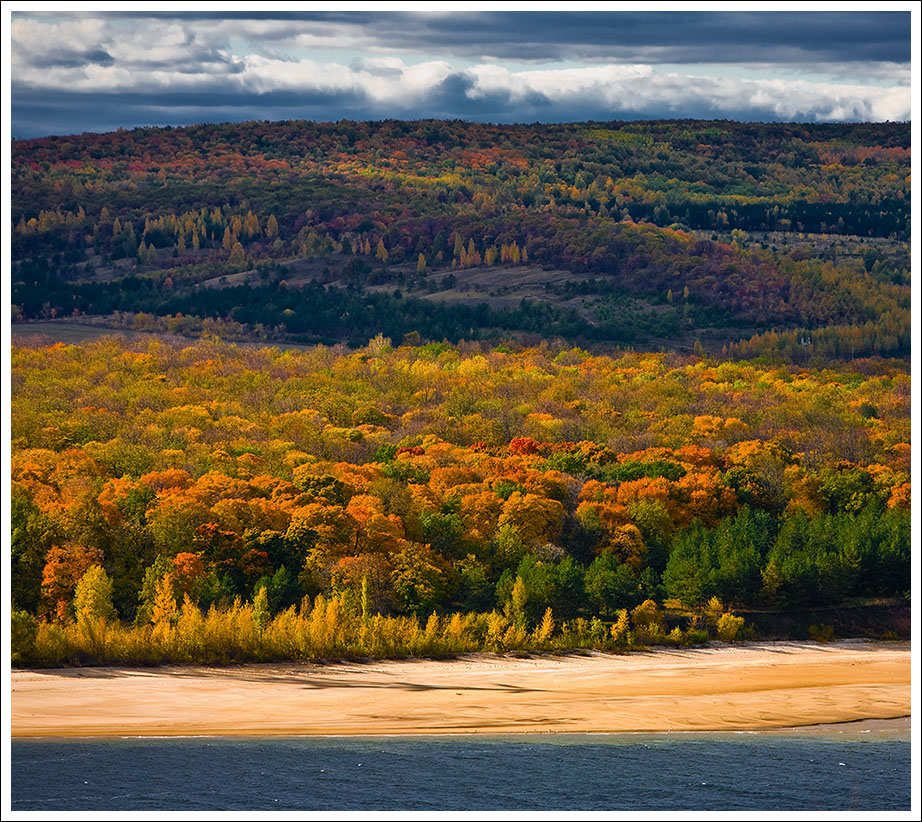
(777, 240)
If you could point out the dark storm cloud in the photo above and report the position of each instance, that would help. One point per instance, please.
(673, 37)
(69, 113)
(73, 59)
(452, 98)
(201, 61)
(676, 37)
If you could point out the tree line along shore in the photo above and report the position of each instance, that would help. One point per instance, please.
(207, 501)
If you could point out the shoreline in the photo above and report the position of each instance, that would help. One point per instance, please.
(894, 728)
(777, 687)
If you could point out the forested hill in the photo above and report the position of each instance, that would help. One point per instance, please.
(783, 240)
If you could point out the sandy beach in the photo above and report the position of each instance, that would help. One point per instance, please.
(743, 687)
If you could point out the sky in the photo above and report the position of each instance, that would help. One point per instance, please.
(172, 64)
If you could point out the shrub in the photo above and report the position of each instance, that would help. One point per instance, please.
(821, 633)
(729, 626)
(23, 630)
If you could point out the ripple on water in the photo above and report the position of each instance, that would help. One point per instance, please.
(689, 771)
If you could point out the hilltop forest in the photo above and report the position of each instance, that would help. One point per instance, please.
(435, 387)
(778, 240)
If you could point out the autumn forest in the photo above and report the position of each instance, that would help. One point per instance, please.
(391, 388)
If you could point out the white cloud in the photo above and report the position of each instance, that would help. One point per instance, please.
(36, 37)
(556, 84)
(263, 75)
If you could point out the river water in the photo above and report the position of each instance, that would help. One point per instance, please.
(852, 769)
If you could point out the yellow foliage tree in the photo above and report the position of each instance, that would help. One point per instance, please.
(93, 597)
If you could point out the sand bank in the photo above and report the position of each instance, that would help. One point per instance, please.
(745, 687)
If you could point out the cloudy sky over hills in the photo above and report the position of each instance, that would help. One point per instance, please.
(94, 71)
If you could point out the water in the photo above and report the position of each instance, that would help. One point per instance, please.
(567, 772)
